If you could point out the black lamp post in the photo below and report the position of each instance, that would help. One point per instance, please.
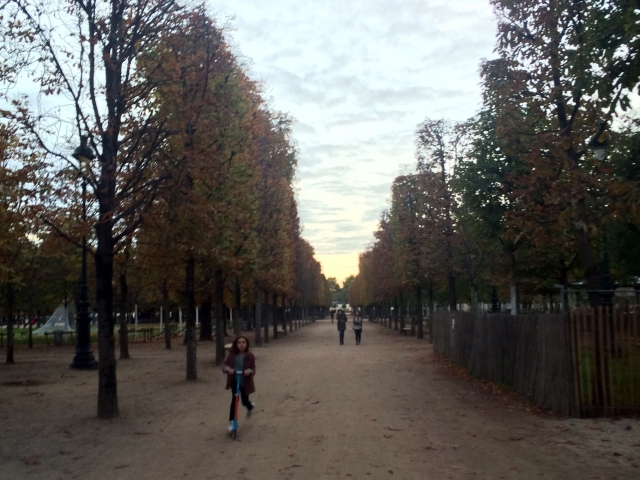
(598, 144)
(83, 359)
(495, 302)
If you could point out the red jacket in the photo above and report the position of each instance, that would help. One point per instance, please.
(249, 363)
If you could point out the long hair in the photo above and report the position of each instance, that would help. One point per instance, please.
(234, 345)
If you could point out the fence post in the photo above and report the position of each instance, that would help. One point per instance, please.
(574, 339)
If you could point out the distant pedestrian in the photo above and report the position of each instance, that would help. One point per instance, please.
(357, 326)
(333, 313)
(240, 359)
(342, 324)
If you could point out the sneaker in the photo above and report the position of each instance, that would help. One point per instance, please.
(230, 426)
(250, 412)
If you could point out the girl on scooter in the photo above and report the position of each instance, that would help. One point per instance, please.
(240, 359)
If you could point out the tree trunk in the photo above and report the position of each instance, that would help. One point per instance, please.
(190, 311)
(237, 319)
(107, 382)
(206, 332)
(430, 319)
(294, 317)
(257, 295)
(124, 329)
(285, 316)
(473, 294)
(9, 358)
(401, 311)
(165, 316)
(411, 311)
(274, 314)
(220, 316)
(396, 313)
(268, 317)
(453, 297)
(513, 285)
(589, 267)
(419, 311)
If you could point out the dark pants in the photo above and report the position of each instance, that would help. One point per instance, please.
(243, 396)
(358, 335)
(341, 336)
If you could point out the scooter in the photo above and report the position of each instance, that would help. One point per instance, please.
(234, 429)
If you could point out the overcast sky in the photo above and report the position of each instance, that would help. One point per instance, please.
(358, 76)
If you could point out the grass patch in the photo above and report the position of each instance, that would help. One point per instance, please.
(624, 376)
(21, 335)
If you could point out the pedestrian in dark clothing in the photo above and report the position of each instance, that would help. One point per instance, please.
(342, 325)
(333, 313)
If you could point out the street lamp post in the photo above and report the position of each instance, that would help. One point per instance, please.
(598, 144)
(495, 302)
(83, 359)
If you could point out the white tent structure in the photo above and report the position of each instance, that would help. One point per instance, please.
(60, 321)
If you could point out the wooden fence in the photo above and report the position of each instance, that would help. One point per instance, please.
(605, 351)
(529, 353)
(586, 363)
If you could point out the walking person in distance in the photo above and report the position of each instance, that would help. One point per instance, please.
(342, 324)
(357, 326)
(240, 359)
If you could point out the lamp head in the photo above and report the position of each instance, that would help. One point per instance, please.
(600, 152)
(599, 142)
(83, 151)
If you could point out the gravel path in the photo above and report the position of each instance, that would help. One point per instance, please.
(386, 409)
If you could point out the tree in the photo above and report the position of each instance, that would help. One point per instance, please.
(550, 98)
(441, 146)
(68, 59)
(17, 222)
(333, 284)
(346, 285)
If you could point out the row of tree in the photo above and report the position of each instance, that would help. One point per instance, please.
(340, 295)
(522, 197)
(186, 174)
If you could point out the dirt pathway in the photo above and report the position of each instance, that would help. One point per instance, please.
(387, 409)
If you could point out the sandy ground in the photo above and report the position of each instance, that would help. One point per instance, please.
(387, 409)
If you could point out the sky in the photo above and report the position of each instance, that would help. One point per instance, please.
(358, 77)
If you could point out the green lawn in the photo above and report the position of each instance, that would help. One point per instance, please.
(625, 378)
(21, 335)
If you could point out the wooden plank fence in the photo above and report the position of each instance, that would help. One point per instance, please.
(529, 353)
(586, 363)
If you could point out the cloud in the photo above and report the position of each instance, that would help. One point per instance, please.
(358, 77)
(326, 172)
(373, 214)
(343, 244)
(367, 117)
(300, 128)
